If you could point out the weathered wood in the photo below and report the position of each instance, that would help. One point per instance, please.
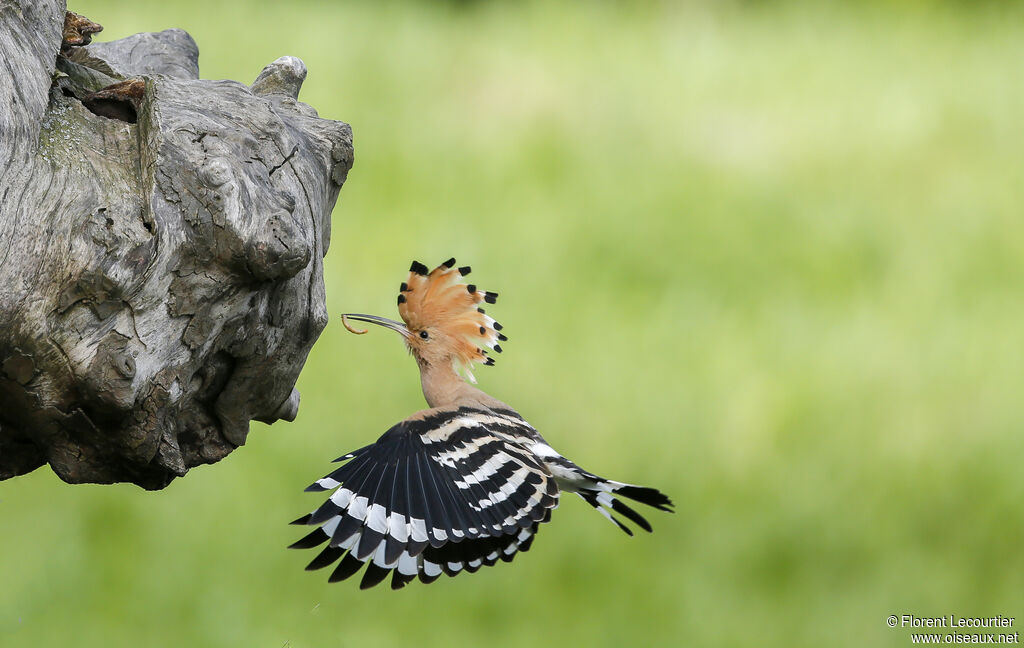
(161, 245)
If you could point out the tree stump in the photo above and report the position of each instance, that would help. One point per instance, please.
(161, 246)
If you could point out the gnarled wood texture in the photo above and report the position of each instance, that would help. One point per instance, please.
(161, 245)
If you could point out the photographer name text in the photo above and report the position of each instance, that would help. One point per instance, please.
(954, 621)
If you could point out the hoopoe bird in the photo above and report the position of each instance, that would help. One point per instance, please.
(462, 484)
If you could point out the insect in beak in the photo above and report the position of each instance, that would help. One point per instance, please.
(373, 319)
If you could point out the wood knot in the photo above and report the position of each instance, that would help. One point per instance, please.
(216, 173)
(284, 77)
(19, 368)
(124, 364)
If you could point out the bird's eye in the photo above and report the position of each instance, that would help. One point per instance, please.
(423, 334)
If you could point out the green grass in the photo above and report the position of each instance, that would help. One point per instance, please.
(766, 257)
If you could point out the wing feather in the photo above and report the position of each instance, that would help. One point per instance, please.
(445, 491)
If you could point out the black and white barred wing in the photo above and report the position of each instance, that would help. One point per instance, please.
(453, 490)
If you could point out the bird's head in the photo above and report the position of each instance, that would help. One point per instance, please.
(443, 320)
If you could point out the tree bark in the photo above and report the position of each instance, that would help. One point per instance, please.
(161, 245)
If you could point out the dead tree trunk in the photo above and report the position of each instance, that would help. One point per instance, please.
(161, 245)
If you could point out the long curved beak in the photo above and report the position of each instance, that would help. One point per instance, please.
(380, 321)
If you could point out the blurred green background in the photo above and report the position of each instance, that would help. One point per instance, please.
(764, 256)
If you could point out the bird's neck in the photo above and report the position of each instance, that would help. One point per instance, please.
(442, 387)
(441, 384)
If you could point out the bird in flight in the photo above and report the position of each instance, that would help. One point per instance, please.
(462, 484)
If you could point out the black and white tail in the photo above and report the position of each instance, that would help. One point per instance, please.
(603, 498)
(602, 494)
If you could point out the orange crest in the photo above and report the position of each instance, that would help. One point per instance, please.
(442, 301)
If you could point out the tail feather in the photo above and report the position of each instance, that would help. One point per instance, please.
(638, 519)
(602, 493)
(645, 495)
(596, 499)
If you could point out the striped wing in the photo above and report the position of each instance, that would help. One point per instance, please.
(445, 491)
